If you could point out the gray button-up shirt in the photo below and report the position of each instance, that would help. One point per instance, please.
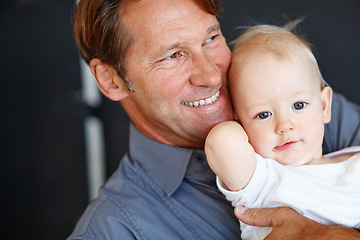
(159, 192)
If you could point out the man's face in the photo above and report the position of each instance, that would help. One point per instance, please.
(178, 67)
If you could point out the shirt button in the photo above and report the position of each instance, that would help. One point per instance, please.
(199, 158)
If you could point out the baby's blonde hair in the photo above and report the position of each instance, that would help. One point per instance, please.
(278, 41)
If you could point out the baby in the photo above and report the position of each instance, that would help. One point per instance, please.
(272, 154)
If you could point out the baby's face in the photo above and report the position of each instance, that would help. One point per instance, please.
(280, 105)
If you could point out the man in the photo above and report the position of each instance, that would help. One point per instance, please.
(166, 61)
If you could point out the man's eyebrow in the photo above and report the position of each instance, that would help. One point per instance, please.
(166, 48)
(214, 28)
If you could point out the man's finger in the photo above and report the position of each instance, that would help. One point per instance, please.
(260, 217)
(263, 217)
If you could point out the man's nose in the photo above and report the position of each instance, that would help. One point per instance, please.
(205, 72)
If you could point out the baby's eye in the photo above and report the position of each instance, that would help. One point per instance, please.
(264, 115)
(299, 105)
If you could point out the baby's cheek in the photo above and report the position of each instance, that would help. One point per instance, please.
(259, 145)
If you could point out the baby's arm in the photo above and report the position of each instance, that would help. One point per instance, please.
(230, 155)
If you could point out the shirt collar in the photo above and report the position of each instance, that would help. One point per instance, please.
(166, 164)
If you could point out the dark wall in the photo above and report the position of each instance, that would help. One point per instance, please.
(42, 137)
(42, 140)
(332, 26)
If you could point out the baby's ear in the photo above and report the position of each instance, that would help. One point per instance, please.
(109, 82)
(326, 100)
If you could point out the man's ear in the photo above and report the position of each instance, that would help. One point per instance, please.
(109, 82)
(326, 99)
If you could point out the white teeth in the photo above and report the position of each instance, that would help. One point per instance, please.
(208, 101)
(202, 102)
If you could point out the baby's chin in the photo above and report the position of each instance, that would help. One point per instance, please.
(290, 158)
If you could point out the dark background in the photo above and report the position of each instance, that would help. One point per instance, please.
(42, 132)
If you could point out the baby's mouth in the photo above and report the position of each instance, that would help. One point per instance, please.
(285, 146)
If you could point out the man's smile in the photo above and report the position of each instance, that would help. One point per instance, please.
(205, 101)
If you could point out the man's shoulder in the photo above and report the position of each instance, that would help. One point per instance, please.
(111, 213)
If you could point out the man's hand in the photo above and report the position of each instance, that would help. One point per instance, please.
(288, 224)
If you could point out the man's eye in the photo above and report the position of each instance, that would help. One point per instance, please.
(173, 56)
(299, 105)
(211, 38)
(264, 115)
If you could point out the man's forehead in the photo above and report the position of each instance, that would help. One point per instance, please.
(156, 16)
(169, 22)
